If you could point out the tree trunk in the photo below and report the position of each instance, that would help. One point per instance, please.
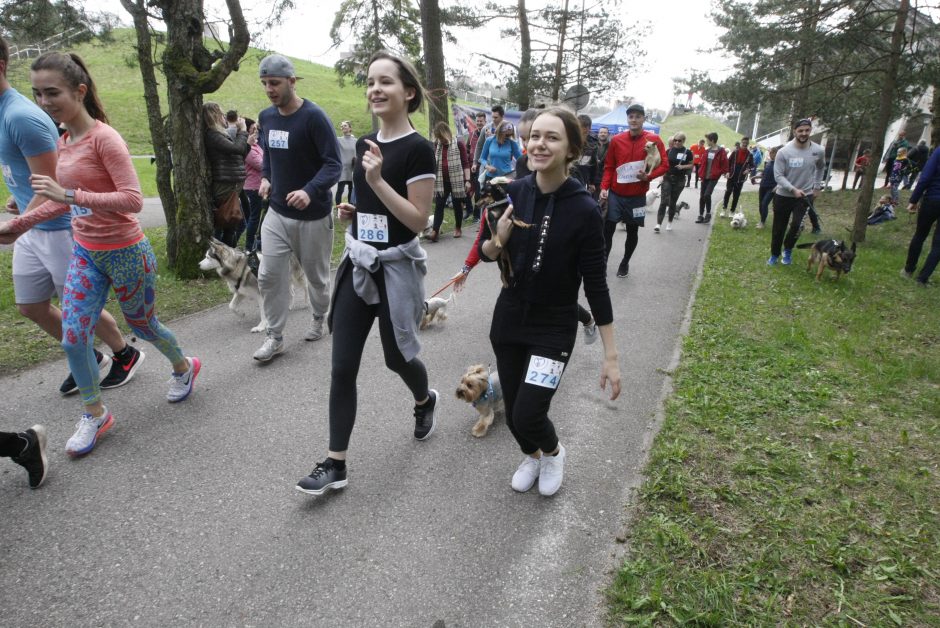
(881, 125)
(562, 35)
(935, 121)
(850, 164)
(525, 59)
(434, 62)
(155, 120)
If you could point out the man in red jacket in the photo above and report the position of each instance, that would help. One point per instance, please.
(626, 182)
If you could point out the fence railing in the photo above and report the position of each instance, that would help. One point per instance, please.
(54, 42)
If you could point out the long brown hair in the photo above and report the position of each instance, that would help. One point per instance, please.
(75, 73)
(442, 133)
(408, 75)
(572, 130)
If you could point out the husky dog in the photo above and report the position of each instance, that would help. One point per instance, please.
(833, 254)
(233, 265)
(435, 308)
(480, 388)
(738, 221)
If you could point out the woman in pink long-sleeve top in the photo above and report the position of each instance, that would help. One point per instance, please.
(96, 182)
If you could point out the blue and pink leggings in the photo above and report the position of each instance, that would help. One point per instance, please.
(132, 273)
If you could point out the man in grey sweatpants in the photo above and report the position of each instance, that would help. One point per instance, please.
(301, 163)
(798, 169)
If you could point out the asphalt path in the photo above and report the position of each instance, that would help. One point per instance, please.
(186, 514)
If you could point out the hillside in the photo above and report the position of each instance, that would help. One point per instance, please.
(695, 126)
(114, 68)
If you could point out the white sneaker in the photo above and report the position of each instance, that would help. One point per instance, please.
(721, 214)
(316, 329)
(89, 429)
(760, 225)
(669, 226)
(656, 229)
(271, 347)
(551, 472)
(590, 333)
(181, 384)
(526, 475)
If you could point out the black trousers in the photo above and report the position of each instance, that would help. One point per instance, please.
(440, 200)
(633, 238)
(520, 331)
(339, 191)
(734, 191)
(705, 196)
(786, 210)
(928, 214)
(352, 321)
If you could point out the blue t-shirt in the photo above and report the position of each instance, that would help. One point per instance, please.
(25, 131)
(300, 153)
(500, 156)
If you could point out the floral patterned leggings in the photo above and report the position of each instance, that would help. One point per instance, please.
(132, 273)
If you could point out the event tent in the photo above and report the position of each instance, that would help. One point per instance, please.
(616, 122)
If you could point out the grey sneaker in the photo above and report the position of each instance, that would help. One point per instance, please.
(181, 384)
(590, 333)
(316, 330)
(271, 347)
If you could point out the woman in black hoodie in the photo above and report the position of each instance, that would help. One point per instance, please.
(535, 320)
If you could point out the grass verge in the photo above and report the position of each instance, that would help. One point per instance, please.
(23, 344)
(795, 477)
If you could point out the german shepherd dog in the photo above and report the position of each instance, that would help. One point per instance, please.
(494, 199)
(233, 266)
(833, 254)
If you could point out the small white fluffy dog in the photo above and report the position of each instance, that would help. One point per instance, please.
(480, 388)
(436, 308)
(232, 266)
(738, 221)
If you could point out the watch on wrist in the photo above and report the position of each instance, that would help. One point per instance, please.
(70, 196)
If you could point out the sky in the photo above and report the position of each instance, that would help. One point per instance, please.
(677, 39)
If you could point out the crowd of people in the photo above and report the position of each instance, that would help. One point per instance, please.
(78, 236)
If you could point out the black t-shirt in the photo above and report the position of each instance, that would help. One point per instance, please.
(679, 157)
(405, 159)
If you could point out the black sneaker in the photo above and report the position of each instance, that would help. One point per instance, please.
(700, 219)
(817, 231)
(624, 269)
(69, 386)
(708, 218)
(123, 369)
(424, 417)
(324, 477)
(33, 458)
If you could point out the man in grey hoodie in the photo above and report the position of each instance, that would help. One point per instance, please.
(798, 169)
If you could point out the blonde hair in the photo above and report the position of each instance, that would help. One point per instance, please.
(212, 116)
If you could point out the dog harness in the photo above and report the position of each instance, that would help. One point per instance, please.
(489, 395)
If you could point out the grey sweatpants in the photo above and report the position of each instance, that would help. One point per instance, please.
(312, 242)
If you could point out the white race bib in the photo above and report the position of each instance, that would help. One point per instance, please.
(626, 173)
(78, 211)
(795, 162)
(639, 212)
(278, 139)
(373, 227)
(544, 372)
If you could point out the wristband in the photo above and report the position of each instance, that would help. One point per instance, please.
(466, 269)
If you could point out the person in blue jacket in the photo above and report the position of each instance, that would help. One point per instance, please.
(925, 202)
(499, 151)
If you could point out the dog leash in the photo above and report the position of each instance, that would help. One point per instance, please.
(445, 287)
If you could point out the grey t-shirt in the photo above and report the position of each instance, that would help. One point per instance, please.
(347, 155)
(798, 168)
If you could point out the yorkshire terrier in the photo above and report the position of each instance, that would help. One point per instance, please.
(480, 388)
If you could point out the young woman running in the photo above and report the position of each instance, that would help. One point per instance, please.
(535, 320)
(96, 182)
(382, 271)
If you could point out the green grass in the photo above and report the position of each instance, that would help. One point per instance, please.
(795, 479)
(695, 126)
(23, 344)
(113, 65)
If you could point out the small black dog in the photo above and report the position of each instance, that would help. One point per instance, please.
(833, 254)
(494, 198)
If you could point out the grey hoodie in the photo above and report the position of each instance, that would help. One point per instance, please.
(798, 168)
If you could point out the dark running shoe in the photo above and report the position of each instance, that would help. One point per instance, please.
(123, 369)
(324, 477)
(708, 218)
(700, 219)
(624, 269)
(33, 458)
(69, 386)
(424, 417)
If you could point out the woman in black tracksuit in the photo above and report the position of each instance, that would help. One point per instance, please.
(535, 320)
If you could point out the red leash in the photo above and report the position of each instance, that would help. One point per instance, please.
(445, 287)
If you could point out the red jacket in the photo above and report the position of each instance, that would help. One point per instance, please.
(697, 151)
(625, 148)
(719, 168)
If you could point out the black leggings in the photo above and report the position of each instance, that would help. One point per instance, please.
(672, 188)
(439, 201)
(11, 444)
(927, 215)
(633, 238)
(705, 196)
(733, 191)
(339, 191)
(353, 320)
